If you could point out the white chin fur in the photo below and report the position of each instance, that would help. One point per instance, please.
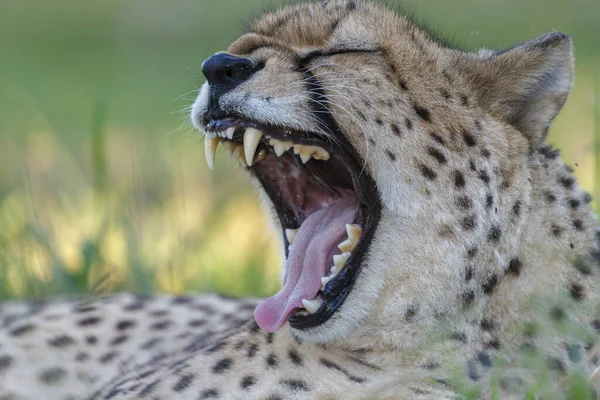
(200, 106)
(353, 312)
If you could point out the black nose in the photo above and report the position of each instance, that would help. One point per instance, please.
(226, 70)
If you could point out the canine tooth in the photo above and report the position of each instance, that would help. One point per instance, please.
(290, 234)
(321, 154)
(229, 147)
(325, 280)
(229, 133)
(353, 231)
(210, 148)
(280, 147)
(239, 154)
(347, 245)
(312, 305)
(340, 259)
(251, 138)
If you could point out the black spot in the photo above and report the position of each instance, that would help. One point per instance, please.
(149, 388)
(486, 153)
(567, 182)
(484, 359)
(468, 274)
(396, 130)
(582, 266)
(472, 165)
(151, 343)
(331, 365)
(183, 383)
(195, 323)
(295, 384)
(572, 246)
(557, 313)
(125, 324)
(84, 309)
(437, 138)
(91, 339)
(274, 396)
(134, 306)
(445, 94)
(158, 313)
(222, 365)
(82, 356)
(550, 198)
(21, 330)
(402, 85)
(555, 364)
(61, 341)
(351, 5)
(490, 285)
(252, 350)
(577, 291)
(209, 394)
(587, 198)
(5, 362)
(423, 113)
(247, 382)
(468, 297)
(516, 208)
(489, 201)
(464, 202)
(161, 325)
(438, 155)
(53, 375)
(391, 155)
(118, 340)
(460, 336)
(378, 121)
(408, 123)
(556, 230)
(514, 266)
(216, 347)
(108, 357)
(272, 360)
(90, 321)
(469, 139)
(494, 344)
(410, 313)
(578, 224)
(464, 100)
(487, 324)
(495, 234)
(574, 203)
(548, 152)
(484, 176)
(270, 336)
(428, 172)
(596, 325)
(459, 179)
(471, 253)
(295, 357)
(469, 223)
(361, 115)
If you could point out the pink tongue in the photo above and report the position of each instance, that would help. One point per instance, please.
(309, 259)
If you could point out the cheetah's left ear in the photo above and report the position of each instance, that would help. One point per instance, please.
(528, 84)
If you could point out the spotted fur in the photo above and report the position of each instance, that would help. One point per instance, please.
(485, 248)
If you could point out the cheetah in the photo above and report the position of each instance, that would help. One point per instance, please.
(429, 231)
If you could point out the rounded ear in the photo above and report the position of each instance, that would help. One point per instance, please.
(526, 85)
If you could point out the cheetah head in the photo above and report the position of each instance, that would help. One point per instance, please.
(384, 156)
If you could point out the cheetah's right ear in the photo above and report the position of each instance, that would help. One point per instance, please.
(528, 84)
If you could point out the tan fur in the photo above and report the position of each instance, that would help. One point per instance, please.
(486, 244)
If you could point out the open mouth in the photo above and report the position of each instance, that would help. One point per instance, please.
(327, 205)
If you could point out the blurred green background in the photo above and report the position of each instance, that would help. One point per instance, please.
(103, 184)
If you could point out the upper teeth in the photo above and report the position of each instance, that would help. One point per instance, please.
(252, 137)
(290, 234)
(210, 148)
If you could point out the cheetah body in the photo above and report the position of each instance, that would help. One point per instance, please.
(485, 248)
